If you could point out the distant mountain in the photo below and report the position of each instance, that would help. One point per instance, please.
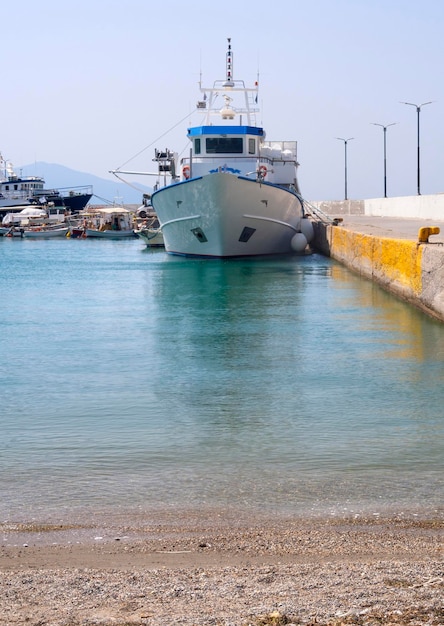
(104, 190)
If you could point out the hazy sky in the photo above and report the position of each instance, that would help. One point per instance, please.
(89, 84)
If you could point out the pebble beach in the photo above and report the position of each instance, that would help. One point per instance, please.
(197, 569)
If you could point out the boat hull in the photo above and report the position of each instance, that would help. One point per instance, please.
(151, 236)
(33, 233)
(108, 234)
(76, 202)
(46, 233)
(13, 202)
(224, 215)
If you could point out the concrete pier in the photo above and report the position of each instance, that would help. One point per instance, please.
(405, 255)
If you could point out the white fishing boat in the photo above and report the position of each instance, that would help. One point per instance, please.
(105, 223)
(236, 194)
(35, 232)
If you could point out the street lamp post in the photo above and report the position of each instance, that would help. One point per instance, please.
(345, 161)
(418, 111)
(385, 153)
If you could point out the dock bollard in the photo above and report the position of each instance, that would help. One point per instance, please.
(425, 232)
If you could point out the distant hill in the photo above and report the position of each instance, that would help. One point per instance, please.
(104, 190)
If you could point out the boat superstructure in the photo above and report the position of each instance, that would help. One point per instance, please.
(235, 194)
(17, 190)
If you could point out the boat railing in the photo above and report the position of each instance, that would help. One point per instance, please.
(218, 158)
(72, 191)
(221, 158)
(220, 161)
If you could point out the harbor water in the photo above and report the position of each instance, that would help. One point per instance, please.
(135, 381)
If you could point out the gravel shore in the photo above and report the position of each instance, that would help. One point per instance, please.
(224, 571)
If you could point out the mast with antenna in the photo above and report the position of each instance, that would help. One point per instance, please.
(229, 80)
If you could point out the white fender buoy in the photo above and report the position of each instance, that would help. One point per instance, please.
(307, 229)
(298, 242)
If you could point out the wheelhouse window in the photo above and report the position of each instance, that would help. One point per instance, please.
(197, 145)
(251, 146)
(224, 145)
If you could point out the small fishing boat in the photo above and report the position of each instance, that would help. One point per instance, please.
(235, 194)
(47, 231)
(104, 223)
(152, 236)
(148, 227)
(34, 222)
(10, 226)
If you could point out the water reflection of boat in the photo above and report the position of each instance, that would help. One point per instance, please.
(104, 223)
(236, 194)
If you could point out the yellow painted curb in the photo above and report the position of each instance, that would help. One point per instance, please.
(396, 261)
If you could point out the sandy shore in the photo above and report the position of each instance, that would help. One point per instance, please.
(218, 570)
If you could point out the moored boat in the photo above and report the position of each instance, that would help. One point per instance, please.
(104, 223)
(47, 231)
(236, 194)
(14, 218)
(34, 222)
(152, 236)
(148, 227)
(16, 190)
(35, 232)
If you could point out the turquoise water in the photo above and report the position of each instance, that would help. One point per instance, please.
(136, 381)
